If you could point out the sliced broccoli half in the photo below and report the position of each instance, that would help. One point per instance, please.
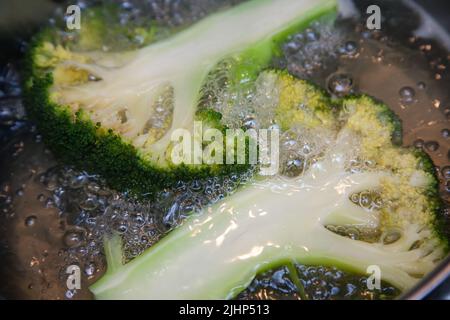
(362, 179)
(113, 112)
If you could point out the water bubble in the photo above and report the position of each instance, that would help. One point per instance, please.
(290, 143)
(354, 198)
(340, 84)
(209, 190)
(8, 200)
(138, 219)
(180, 186)
(351, 290)
(292, 47)
(91, 221)
(305, 150)
(74, 238)
(50, 181)
(121, 226)
(350, 48)
(419, 143)
(365, 200)
(6, 116)
(30, 221)
(126, 5)
(334, 291)
(308, 66)
(89, 269)
(151, 231)
(134, 230)
(312, 35)
(436, 103)
(20, 192)
(196, 186)
(94, 78)
(89, 204)
(293, 165)
(82, 250)
(70, 294)
(250, 123)
(421, 85)
(78, 181)
(432, 146)
(407, 95)
(446, 172)
(391, 236)
(6, 188)
(93, 187)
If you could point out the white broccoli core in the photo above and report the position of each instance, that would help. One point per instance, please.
(217, 254)
(130, 85)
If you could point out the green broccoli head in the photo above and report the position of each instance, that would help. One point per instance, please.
(410, 195)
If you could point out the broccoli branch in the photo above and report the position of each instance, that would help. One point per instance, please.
(181, 63)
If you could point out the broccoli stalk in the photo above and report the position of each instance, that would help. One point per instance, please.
(217, 255)
(280, 220)
(124, 106)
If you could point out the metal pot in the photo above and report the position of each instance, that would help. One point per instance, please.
(21, 18)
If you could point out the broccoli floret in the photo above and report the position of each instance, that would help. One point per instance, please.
(114, 112)
(361, 180)
(300, 102)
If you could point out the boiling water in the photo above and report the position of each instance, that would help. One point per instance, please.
(55, 216)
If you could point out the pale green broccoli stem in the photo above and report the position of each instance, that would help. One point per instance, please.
(184, 60)
(113, 253)
(262, 226)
